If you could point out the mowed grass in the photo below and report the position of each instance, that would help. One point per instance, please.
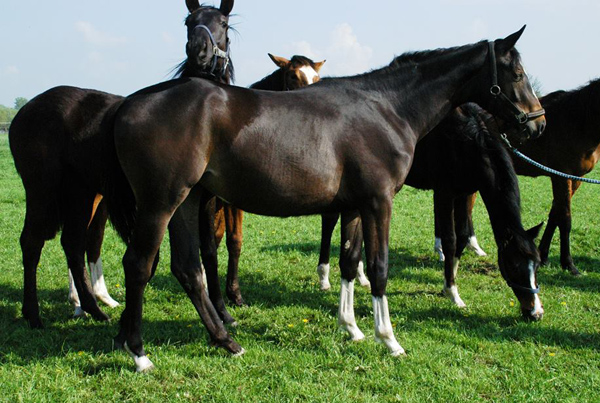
(294, 349)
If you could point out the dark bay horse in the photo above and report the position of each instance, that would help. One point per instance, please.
(457, 158)
(571, 145)
(60, 152)
(297, 72)
(341, 145)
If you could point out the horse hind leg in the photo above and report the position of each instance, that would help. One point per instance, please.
(328, 222)
(472, 244)
(234, 219)
(445, 214)
(351, 241)
(95, 236)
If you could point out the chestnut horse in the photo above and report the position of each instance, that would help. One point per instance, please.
(59, 150)
(457, 158)
(292, 74)
(341, 145)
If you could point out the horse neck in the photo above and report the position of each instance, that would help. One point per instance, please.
(425, 87)
(272, 82)
(500, 190)
(184, 71)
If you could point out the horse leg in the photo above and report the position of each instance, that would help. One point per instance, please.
(328, 222)
(95, 236)
(233, 221)
(208, 249)
(32, 241)
(444, 211)
(351, 242)
(376, 229)
(185, 265)
(73, 240)
(437, 246)
(472, 240)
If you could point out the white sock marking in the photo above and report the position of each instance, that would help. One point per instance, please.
(437, 247)
(384, 333)
(74, 298)
(363, 280)
(474, 246)
(323, 271)
(99, 286)
(142, 363)
(452, 293)
(346, 318)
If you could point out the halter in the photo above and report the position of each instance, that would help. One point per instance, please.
(518, 114)
(529, 290)
(217, 53)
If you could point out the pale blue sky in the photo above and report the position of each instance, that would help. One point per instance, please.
(120, 46)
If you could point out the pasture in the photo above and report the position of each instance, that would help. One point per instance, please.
(295, 352)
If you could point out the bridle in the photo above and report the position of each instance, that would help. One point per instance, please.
(518, 287)
(217, 54)
(517, 114)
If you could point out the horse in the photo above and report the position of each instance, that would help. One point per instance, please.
(58, 148)
(571, 145)
(459, 157)
(294, 73)
(340, 145)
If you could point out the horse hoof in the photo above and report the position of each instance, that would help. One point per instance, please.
(240, 353)
(101, 316)
(573, 270)
(35, 323)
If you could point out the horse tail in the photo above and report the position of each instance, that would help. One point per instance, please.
(117, 191)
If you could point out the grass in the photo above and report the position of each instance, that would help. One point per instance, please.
(294, 349)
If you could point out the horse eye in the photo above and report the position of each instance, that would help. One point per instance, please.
(519, 77)
(224, 24)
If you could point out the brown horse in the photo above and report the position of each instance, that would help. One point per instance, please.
(60, 152)
(341, 145)
(292, 74)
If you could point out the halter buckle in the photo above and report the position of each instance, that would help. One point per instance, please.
(495, 90)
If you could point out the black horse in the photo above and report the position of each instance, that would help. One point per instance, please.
(60, 151)
(341, 145)
(462, 155)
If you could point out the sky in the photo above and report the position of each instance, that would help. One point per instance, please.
(121, 46)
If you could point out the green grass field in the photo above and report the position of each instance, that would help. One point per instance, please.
(294, 349)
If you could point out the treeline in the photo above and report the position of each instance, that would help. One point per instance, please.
(7, 114)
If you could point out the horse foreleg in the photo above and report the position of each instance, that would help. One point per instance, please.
(233, 220)
(185, 265)
(472, 239)
(31, 248)
(208, 249)
(328, 222)
(376, 228)
(444, 212)
(95, 236)
(351, 242)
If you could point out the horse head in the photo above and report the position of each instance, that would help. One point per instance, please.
(518, 259)
(207, 46)
(511, 97)
(298, 72)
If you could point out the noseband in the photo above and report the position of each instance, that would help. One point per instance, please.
(217, 53)
(518, 114)
(528, 290)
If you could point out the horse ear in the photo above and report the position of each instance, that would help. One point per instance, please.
(506, 44)
(192, 5)
(279, 61)
(535, 231)
(226, 7)
(318, 65)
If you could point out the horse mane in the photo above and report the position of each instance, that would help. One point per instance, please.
(575, 102)
(478, 124)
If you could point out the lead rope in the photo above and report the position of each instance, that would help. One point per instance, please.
(543, 167)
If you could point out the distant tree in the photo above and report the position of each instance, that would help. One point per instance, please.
(536, 84)
(19, 102)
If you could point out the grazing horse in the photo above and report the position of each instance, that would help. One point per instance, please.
(459, 157)
(292, 74)
(341, 145)
(59, 150)
(571, 145)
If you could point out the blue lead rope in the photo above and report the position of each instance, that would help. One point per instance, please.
(545, 168)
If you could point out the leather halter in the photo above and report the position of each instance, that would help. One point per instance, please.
(528, 290)
(516, 113)
(217, 53)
